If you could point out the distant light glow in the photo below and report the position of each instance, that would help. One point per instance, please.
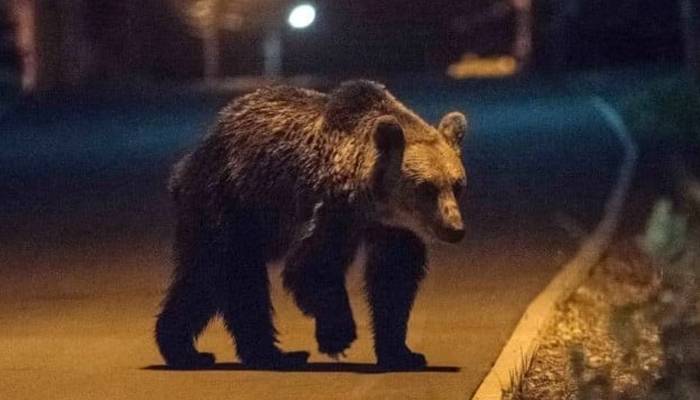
(474, 66)
(302, 16)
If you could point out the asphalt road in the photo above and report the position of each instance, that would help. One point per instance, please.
(85, 227)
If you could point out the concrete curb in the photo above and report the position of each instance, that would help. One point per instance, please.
(524, 341)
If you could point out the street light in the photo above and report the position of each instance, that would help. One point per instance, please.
(302, 16)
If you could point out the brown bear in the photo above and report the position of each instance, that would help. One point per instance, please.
(296, 175)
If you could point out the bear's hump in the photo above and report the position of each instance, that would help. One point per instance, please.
(353, 100)
(274, 99)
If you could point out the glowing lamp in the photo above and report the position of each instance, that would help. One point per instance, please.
(302, 16)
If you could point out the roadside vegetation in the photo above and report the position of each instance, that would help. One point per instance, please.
(665, 111)
(632, 330)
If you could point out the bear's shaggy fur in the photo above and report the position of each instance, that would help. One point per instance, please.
(306, 177)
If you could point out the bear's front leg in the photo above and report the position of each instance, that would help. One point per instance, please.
(396, 264)
(335, 326)
(315, 275)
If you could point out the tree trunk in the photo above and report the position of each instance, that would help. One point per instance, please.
(24, 19)
(212, 53)
(522, 44)
(691, 33)
(52, 42)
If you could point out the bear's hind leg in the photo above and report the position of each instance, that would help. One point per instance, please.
(247, 311)
(395, 266)
(187, 310)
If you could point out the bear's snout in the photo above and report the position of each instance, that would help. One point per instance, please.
(450, 234)
(448, 225)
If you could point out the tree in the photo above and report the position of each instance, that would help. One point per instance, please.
(24, 20)
(522, 45)
(690, 10)
(52, 42)
(558, 26)
(209, 18)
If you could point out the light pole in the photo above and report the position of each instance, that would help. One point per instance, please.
(272, 53)
(522, 46)
(301, 16)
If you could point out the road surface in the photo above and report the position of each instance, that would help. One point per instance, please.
(85, 227)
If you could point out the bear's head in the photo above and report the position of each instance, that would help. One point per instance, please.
(419, 176)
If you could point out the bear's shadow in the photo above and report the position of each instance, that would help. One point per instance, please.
(357, 368)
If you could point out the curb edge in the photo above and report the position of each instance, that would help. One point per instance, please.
(523, 341)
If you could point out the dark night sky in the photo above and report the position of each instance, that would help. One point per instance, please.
(419, 35)
(390, 36)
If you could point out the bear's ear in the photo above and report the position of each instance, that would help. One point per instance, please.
(388, 135)
(390, 143)
(454, 126)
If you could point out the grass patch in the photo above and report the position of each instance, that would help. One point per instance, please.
(583, 353)
(632, 330)
(516, 378)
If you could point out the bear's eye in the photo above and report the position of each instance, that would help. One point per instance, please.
(427, 190)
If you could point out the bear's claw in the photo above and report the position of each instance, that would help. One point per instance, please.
(335, 336)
